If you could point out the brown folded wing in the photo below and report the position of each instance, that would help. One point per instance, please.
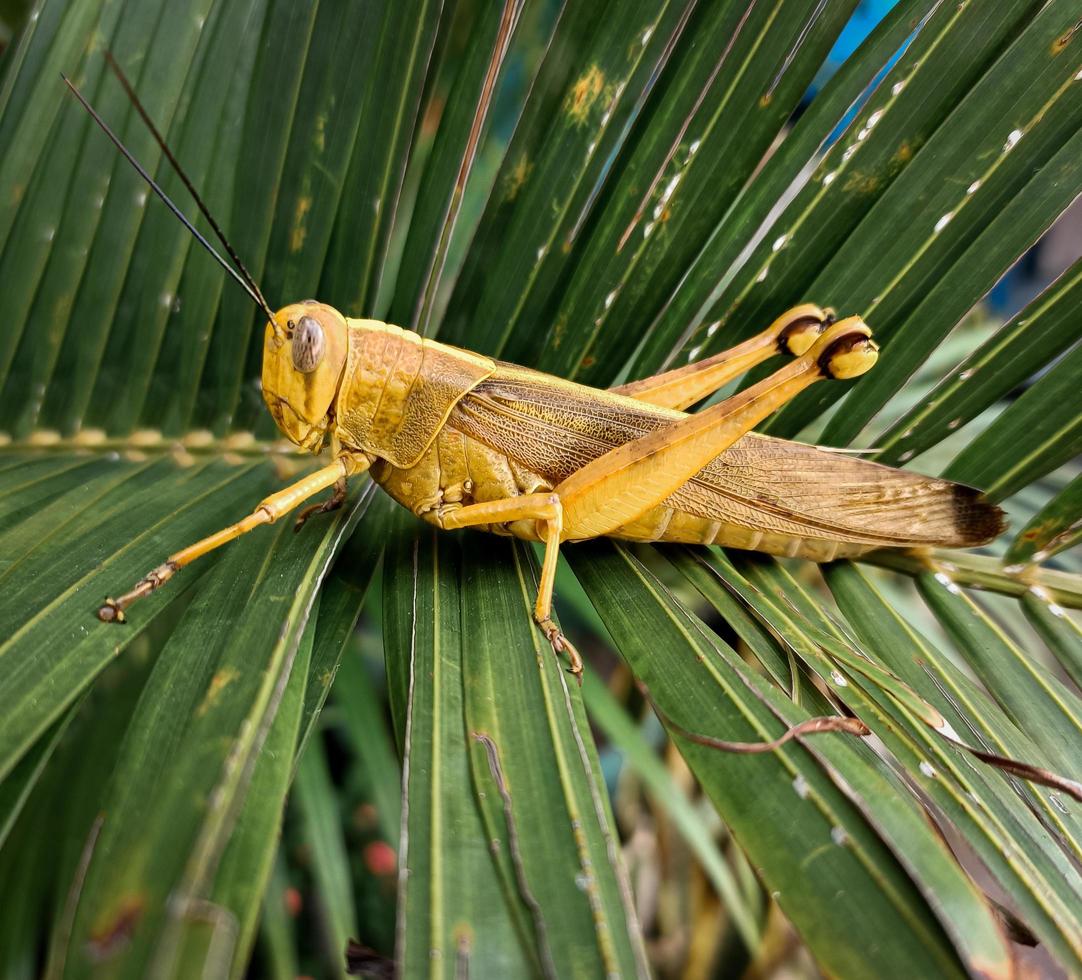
(553, 427)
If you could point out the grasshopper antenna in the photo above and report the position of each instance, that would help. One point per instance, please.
(245, 282)
(145, 116)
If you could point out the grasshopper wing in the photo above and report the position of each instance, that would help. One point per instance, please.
(787, 489)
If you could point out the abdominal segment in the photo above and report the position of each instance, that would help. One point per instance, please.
(457, 471)
(667, 524)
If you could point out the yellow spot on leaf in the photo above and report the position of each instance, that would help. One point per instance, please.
(115, 927)
(218, 683)
(861, 183)
(1061, 42)
(558, 330)
(516, 178)
(300, 229)
(584, 94)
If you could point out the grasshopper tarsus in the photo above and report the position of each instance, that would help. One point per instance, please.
(112, 610)
(561, 644)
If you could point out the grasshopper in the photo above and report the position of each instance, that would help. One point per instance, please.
(464, 440)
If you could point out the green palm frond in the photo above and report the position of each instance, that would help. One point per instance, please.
(601, 190)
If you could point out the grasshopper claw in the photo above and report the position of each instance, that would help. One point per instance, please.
(561, 644)
(110, 612)
(337, 498)
(302, 517)
(576, 668)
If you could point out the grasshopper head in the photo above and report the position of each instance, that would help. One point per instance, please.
(304, 355)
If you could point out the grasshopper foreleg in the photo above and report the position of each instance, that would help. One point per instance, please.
(268, 511)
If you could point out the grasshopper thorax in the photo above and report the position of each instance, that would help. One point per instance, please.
(305, 349)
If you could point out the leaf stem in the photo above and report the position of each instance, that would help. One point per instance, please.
(983, 572)
(145, 442)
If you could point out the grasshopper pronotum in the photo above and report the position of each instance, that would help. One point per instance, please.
(464, 440)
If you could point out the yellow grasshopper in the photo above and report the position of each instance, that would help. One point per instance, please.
(464, 440)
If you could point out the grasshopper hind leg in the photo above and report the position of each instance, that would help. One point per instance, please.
(619, 487)
(793, 333)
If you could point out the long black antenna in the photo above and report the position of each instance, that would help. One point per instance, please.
(145, 116)
(248, 287)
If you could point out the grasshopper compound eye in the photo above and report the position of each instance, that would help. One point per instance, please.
(309, 345)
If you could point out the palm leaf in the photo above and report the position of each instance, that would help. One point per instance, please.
(653, 204)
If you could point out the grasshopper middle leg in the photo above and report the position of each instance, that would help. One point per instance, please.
(546, 509)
